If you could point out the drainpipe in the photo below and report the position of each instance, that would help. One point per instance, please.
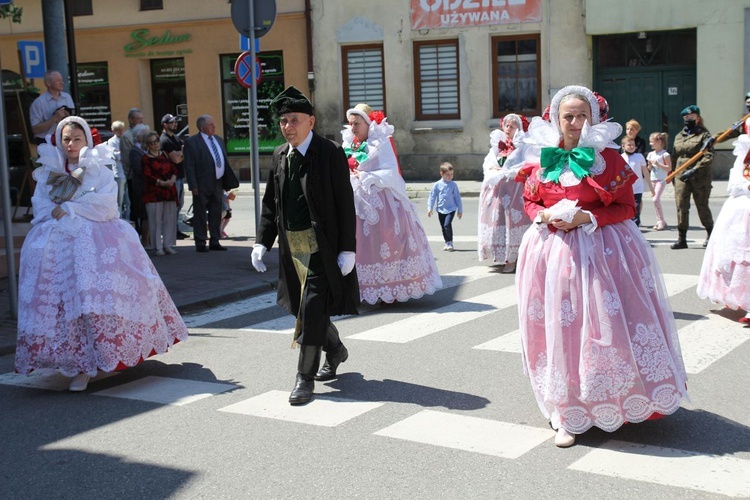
(308, 34)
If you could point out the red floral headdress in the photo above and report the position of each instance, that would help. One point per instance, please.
(603, 107)
(377, 116)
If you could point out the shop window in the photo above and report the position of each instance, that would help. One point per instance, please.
(236, 107)
(93, 95)
(152, 5)
(436, 80)
(168, 91)
(364, 76)
(82, 8)
(516, 82)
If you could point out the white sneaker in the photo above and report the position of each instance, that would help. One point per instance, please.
(450, 246)
(564, 439)
(159, 253)
(79, 383)
(170, 250)
(447, 247)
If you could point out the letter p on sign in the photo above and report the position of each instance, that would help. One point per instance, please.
(32, 57)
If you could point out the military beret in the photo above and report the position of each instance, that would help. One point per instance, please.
(691, 109)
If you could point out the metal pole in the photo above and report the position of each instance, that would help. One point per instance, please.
(7, 222)
(253, 97)
(53, 18)
(72, 64)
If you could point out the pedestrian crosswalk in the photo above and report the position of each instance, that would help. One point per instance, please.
(705, 341)
(728, 476)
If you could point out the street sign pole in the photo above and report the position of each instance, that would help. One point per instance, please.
(253, 98)
(7, 223)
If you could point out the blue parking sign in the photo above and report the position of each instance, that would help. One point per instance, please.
(32, 57)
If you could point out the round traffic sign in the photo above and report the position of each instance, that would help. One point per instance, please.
(264, 15)
(243, 70)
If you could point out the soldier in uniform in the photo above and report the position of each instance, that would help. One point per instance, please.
(696, 180)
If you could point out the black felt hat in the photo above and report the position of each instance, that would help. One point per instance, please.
(291, 100)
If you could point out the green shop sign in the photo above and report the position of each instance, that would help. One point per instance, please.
(142, 40)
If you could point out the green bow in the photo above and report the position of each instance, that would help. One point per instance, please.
(358, 153)
(553, 160)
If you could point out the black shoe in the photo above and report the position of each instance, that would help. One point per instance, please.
(202, 249)
(302, 392)
(679, 244)
(217, 247)
(182, 236)
(333, 360)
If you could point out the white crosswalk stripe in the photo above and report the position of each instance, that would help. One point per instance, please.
(167, 391)
(246, 306)
(50, 380)
(421, 325)
(326, 411)
(461, 432)
(684, 469)
(708, 339)
(510, 342)
(285, 324)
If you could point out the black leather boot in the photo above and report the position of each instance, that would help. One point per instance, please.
(309, 360)
(336, 354)
(708, 236)
(681, 241)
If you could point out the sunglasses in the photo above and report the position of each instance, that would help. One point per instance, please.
(152, 142)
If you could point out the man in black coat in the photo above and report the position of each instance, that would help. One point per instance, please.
(208, 175)
(309, 205)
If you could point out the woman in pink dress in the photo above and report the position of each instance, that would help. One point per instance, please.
(725, 274)
(89, 297)
(502, 220)
(598, 337)
(394, 260)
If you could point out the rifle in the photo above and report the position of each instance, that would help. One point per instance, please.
(706, 145)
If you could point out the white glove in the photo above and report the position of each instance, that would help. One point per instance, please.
(346, 262)
(257, 258)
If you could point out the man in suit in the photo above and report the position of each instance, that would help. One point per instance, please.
(208, 175)
(309, 205)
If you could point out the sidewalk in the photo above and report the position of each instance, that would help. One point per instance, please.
(202, 280)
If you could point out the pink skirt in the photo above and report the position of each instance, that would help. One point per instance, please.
(90, 299)
(394, 259)
(599, 340)
(725, 274)
(502, 219)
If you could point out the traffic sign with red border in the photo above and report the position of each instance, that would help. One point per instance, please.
(243, 70)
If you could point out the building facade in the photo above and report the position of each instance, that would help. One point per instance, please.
(444, 71)
(176, 59)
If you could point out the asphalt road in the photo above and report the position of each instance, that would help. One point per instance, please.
(432, 403)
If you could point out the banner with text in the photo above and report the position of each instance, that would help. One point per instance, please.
(430, 14)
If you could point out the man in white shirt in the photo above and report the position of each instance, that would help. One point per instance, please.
(49, 108)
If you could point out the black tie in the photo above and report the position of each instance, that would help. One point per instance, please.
(295, 160)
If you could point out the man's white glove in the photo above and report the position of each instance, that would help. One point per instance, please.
(346, 262)
(257, 257)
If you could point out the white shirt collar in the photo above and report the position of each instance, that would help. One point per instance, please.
(302, 148)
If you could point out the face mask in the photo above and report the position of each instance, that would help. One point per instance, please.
(748, 107)
(689, 123)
